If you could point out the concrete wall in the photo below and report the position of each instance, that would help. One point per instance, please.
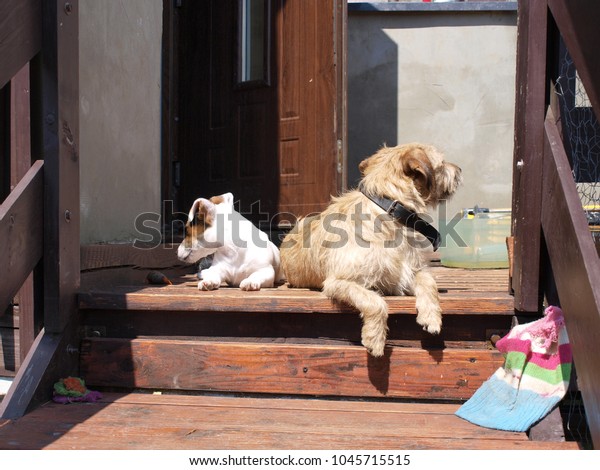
(446, 78)
(120, 71)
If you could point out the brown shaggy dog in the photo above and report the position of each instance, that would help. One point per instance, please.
(356, 251)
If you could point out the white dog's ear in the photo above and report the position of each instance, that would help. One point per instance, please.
(416, 165)
(202, 210)
(226, 199)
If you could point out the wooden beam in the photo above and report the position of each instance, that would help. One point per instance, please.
(50, 358)
(528, 151)
(284, 300)
(576, 269)
(336, 370)
(20, 157)
(60, 115)
(578, 25)
(20, 35)
(21, 232)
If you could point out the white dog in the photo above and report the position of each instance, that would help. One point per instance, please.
(243, 255)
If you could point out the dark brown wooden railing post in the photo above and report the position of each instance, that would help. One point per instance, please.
(20, 162)
(60, 115)
(56, 137)
(528, 152)
(576, 268)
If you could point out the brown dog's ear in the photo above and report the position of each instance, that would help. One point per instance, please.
(416, 165)
(362, 166)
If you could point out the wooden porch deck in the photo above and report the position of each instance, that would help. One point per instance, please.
(142, 421)
(276, 369)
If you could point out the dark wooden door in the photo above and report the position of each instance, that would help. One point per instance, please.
(260, 104)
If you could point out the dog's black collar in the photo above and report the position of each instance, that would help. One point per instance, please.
(408, 218)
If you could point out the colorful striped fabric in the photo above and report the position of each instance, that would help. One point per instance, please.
(533, 380)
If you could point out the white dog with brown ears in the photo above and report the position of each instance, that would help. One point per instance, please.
(371, 242)
(243, 255)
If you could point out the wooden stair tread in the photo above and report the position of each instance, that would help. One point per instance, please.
(482, 292)
(275, 300)
(308, 369)
(174, 421)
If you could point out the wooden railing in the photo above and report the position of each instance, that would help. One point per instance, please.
(554, 253)
(39, 220)
(21, 232)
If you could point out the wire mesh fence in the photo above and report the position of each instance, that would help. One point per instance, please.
(581, 139)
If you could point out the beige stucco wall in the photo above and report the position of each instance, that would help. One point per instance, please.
(443, 78)
(120, 71)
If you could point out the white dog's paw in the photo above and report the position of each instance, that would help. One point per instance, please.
(249, 284)
(207, 284)
(431, 321)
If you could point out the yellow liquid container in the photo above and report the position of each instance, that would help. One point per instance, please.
(478, 240)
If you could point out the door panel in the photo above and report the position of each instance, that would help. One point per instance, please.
(271, 141)
(308, 132)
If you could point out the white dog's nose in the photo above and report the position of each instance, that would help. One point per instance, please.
(183, 253)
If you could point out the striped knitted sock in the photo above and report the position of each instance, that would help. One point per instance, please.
(535, 376)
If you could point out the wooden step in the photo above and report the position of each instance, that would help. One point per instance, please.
(267, 367)
(174, 421)
(461, 292)
(286, 341)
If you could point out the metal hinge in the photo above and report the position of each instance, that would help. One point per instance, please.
(340, 156)
(177, 174)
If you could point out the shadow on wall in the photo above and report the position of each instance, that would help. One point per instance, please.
(374, 106)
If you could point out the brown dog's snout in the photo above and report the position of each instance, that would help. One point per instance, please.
(456, 168)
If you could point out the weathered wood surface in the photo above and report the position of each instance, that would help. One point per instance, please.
(21, 232)
(277, 326)
(577, 22)
(576, 269)
(20, 163)
(59, 95)
(529, 145)
(20, 35)
(171, 422)
(482, 292)
(307, 369)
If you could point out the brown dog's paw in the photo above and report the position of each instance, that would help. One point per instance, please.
(375, 344)
(431, 322)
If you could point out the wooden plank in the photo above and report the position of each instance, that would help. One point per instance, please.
(115, 255)
(285, 368)
(576, 269)
(205, 422)
(277, 326)
(528, 151)
(57, 140)
(20, 163)
(50, 357)
(20, 35)
(9, 347)
(579, 29)
(19, 396)
(60, 111)
(230, 300)
(21, 232)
